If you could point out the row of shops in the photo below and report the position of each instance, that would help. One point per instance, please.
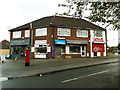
(62, 48)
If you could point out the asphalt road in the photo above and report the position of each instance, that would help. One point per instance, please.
(101, 76)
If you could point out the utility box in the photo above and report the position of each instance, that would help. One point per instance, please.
(27, 57)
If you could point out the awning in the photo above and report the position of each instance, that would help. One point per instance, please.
(77, 41)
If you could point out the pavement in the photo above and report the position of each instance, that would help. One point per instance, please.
(16, 68)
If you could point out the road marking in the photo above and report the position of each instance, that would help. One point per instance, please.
(3, 79)
(65, 81)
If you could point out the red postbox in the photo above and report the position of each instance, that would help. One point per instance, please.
(27, 57)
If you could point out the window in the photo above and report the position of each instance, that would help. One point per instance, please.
(40, 49)
(27, 33)
(82, 33)
(17, 34)
(98, 34)
(63, 32)
(41, 32)
(74, 49)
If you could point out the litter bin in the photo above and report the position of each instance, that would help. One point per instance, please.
(27, 57)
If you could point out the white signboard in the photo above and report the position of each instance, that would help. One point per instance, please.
(87, 54)
(48, 49)
(32, 49)
(61, 38)
(40, 55)
(40, 42)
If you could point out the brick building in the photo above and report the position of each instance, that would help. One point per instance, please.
(56, 37)
(4, 47)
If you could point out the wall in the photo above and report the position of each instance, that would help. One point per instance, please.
(52, 36)
(4, 51)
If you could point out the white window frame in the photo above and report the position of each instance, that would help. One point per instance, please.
(17, 34)
(63, 32)
(84, 33)
(41, 32)
(27, 33)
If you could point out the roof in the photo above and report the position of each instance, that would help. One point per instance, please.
(4, 44)
(59, 21)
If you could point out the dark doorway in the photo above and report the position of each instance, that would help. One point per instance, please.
(58, 51)
(95, 53)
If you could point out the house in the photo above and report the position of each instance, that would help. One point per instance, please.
(4, 47)
(58, 37)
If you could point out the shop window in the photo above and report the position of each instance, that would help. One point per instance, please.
(74, 49)
(41, 32)
(82, 33)
(63, 32)
(17, 34)
(98, 33)
(41, 50)
(16, 50)
(63, 49)
(27, 33)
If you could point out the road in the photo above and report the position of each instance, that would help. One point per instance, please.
(100, 76)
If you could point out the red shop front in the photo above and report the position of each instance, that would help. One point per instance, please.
(98, 47)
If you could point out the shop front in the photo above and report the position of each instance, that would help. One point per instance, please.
(59, 48)
(17, 48)
(76, 48)
(70, 48)
(98, 47)
(41, 47)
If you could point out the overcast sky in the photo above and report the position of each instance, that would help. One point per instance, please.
(18, 12)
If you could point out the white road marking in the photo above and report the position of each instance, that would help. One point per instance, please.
(3, 79)
(65, 81)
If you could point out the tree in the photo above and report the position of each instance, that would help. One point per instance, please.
(104, 12)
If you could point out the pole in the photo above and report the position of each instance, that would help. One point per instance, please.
(31, 28)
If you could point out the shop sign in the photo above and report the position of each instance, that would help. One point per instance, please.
(63, 42)
(20, 42)
(98, 39)
(32, 49)
(61, 38)
(40, 42)
(98, 48)
(48, 49)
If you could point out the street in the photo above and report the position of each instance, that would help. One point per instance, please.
(100, 76)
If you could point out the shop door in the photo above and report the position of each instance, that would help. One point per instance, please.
(58, 51)
(22, 52)
(95, 53)
(16, 52)
(83, 51)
